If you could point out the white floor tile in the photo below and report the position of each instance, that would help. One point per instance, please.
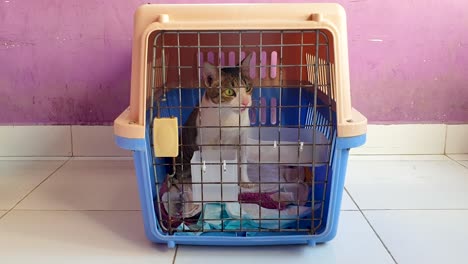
(18, 178)
(408, 184)
(87, 185)
(464, 163)
(458, 156)
(78, 237)
(423, 236)
(347, 204)
(355, 243)
(96, 141)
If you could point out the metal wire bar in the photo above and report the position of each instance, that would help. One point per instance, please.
(199, 122)
(235, 182)
(181, 153)
(219, 122)
(330, 118)
(266, 66)
(237, 107)
(151, 114)
(260, 126)
(246, 32)
(314, 122)
(299, 102)
(239, 157)
(243, 46)
(279, 117)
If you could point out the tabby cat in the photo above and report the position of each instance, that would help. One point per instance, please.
(234, 95)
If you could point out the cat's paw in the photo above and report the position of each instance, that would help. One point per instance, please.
(248, 185)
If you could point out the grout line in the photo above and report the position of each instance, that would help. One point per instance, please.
(54, 158)
(102, 157)
(457, 161)
(46, 178)
(445, 140)
(410, 209)
(352, 200)
(33, 158)
(373, 229)
(175, 254)
(393, 154)
(79, 210)
(71, 142)
(47, 158)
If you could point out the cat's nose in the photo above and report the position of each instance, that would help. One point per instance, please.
(245, 101)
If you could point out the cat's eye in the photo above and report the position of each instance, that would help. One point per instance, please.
(248, 89)
(229, 92)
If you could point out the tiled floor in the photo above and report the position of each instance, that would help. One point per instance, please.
(409, 209)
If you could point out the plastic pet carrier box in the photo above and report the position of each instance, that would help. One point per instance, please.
(240, 122)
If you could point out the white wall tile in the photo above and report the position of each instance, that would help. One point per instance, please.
(398, 157)
(404, 139)
(96, 141)
(35, 141)
(457, 139)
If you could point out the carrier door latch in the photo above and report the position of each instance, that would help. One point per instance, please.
(165, 137)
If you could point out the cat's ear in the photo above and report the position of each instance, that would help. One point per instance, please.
(210, 74)
(245, 65)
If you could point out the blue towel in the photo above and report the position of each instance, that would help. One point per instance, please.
(227, 216)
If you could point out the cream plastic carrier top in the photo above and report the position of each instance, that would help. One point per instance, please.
(151, 19)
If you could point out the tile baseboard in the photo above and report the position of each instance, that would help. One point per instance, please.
(95, 141)
(35, 141)
(457, 139)
(98, 141)
(404, 139)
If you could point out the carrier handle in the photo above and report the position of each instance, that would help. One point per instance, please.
(125, 127)
(355, 126)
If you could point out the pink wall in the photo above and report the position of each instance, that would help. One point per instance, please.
(68, 62)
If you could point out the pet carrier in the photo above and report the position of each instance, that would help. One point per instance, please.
(240, 122)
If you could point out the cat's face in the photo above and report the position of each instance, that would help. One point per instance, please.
(229, 89)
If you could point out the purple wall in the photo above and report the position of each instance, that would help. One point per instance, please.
(68, 62)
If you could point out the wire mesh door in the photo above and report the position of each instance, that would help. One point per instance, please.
(255, 112)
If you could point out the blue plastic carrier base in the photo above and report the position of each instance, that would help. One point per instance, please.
(331, 188)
